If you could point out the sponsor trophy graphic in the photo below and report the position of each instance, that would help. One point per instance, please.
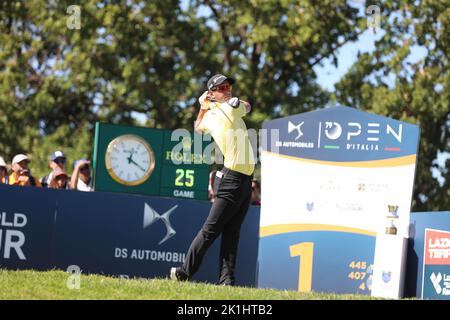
(386, 276)
(391, 216)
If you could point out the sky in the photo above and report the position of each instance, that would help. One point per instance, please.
(328, 75)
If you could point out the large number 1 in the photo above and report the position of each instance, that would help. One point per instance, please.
(305, 250)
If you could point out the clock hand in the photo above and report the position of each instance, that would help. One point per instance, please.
(130, 158)
(136, 164)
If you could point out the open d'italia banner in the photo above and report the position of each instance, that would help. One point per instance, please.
(331, 180)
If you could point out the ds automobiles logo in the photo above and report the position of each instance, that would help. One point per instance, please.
(151, 216)
(292, 127)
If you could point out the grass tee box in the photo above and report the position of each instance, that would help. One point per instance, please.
(62, 285)
(147, 161)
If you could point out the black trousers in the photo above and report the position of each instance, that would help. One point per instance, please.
(227, 213)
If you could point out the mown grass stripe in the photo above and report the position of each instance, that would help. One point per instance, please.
(29, 284)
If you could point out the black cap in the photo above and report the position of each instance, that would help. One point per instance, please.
(217, 80)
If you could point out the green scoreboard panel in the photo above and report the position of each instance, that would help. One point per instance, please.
(146, 161)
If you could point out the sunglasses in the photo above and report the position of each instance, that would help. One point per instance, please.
(222, 87)
(59, 160)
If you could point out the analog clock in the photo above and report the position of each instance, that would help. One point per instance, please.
(129, 160)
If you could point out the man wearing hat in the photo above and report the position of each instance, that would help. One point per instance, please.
(57, 160)
(221, 115)
(21, 175)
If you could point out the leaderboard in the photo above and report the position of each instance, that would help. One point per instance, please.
(149, 161)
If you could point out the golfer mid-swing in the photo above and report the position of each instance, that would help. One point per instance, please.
(221, 116)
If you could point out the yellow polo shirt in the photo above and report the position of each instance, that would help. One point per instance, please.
(13, 181)
(229, 131)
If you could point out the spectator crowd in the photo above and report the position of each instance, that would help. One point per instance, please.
(19, 173)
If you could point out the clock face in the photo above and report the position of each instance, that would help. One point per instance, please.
(129, 160)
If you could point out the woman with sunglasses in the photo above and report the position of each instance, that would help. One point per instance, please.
(57, 160)
(221, 116)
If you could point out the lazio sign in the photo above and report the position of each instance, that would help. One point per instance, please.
(332, 179)
(436, 266)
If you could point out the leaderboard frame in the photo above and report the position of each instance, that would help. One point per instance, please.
(180, 169)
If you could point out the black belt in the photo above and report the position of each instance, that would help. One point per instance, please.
(227, 171)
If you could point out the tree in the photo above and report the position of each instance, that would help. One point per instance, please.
(386, 82)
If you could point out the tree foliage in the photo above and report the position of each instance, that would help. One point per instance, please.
(388, 82)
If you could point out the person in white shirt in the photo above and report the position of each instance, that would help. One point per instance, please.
(81, 179)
